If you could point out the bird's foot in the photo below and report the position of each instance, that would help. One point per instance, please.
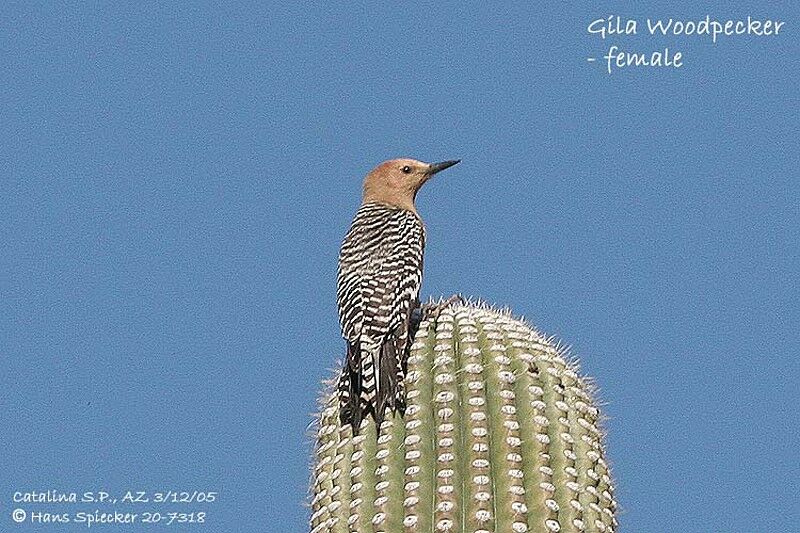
(431, 311)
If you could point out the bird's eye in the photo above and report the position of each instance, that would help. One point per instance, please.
(406, 169)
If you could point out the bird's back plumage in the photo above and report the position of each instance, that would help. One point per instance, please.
(380, 272)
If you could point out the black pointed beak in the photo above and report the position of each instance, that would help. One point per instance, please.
(438, 167)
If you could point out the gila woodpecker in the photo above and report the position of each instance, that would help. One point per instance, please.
(380, 271)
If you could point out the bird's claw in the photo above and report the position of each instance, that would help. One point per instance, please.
(431, 311)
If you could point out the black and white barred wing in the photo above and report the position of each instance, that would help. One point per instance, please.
(380, 271)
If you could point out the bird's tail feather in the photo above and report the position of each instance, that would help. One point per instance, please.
(350, 385)
(372, 383)
(390, 391)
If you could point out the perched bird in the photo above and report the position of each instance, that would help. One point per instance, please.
(380, 271)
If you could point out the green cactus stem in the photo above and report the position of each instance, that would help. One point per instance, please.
(500, 435)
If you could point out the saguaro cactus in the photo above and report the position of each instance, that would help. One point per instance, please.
(500, 435)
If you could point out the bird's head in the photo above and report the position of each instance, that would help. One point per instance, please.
(396, 182)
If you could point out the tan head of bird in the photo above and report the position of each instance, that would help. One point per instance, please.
(397, 181)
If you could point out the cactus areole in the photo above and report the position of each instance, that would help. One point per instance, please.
(500, 435)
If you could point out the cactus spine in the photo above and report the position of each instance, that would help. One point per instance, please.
(500, 435)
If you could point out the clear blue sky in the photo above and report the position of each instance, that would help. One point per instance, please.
(176, 182)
